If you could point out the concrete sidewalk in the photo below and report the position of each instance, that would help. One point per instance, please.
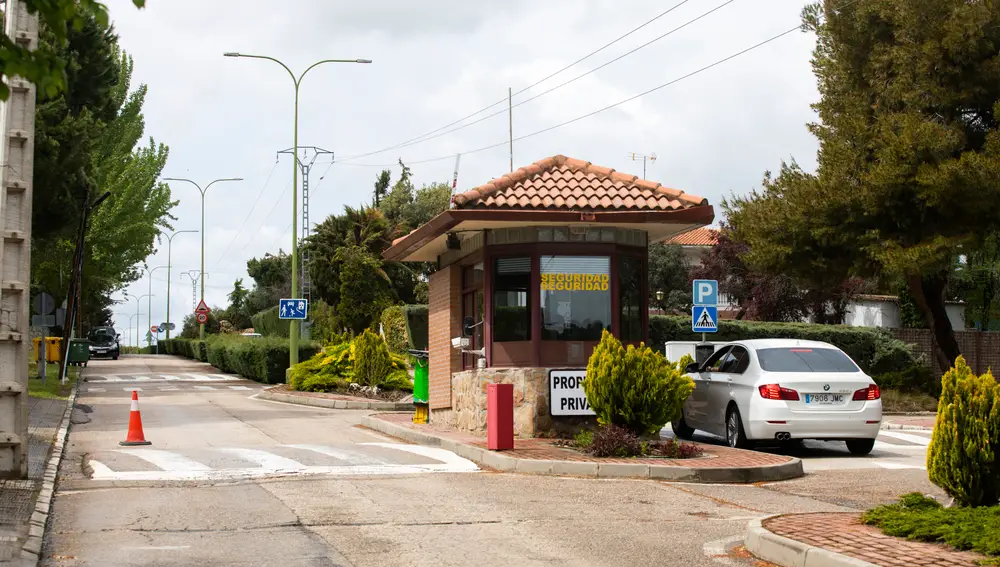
(921, 422)
(18, 497)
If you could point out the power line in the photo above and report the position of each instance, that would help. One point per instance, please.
(252, 209)
(610, 106)
(573, 80)
(532, 85)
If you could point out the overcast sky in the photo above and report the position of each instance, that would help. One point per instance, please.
(435, 62)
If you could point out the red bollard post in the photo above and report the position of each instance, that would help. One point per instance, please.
(499, 416)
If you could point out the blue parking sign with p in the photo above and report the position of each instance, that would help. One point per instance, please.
(705, 292)
(293, 308)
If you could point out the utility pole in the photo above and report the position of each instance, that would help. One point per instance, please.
(194, 276)
(305, 167)
(510, 125)
(17, 151)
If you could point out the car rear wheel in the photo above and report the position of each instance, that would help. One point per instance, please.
(735, 436)
(860, 446)
(681, 429)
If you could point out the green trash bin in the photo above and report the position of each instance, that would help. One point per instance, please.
(79, 352)
(420, 395)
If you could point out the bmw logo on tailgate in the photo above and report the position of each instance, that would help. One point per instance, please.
(826, 387)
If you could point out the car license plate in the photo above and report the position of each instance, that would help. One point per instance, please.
(101, 351)
(824, 399)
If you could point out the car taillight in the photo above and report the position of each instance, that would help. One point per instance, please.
(776, 392)
(872, 392)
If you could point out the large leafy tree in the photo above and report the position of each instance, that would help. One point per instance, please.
(909, 161)
(47, 66)
(978, 284)
(89, 135)
(68, 126)
(759, 296)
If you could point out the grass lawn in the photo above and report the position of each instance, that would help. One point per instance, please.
(51, 388)
(920, 518)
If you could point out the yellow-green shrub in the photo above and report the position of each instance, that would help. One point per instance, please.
(333, 368)
(634, 388)
(964, 454)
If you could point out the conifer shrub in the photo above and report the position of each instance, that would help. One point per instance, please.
(964, 454)
(372, 363)
(635, 387)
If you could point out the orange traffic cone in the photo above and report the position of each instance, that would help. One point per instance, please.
(135, 436)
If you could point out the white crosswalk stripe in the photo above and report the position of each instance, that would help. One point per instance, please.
(239, 388)
(909, 437)
(358, 459)
(168, 460)
(96, 390)
(204, 387)
(96, 378)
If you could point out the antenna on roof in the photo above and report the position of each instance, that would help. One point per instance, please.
(454, 180)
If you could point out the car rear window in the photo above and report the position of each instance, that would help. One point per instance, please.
(805, 359)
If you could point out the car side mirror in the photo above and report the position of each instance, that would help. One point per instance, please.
(468, 326)
(691, 368)
(118, 337)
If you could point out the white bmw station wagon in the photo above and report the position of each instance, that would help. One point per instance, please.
(780, 390)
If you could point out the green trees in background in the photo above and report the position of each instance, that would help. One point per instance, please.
(909, 161)
(47, 66)
(89, 133)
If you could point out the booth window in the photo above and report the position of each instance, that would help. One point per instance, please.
(511, 307)
(630, 290)
(472, 306)
(575, 297)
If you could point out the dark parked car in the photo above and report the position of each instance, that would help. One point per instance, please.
(104, 343)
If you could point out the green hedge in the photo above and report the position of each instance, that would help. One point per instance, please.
(262, 359)
(876, 351)
(270, 324)
(417, 326)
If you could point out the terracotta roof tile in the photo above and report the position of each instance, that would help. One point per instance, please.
(562, 183)
(698, 237)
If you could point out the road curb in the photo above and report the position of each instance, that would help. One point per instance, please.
(501, 462)
(787, 552)
(32, 549)
(330, 403)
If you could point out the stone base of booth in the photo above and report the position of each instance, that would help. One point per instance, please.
(531, 403)
(542, 456)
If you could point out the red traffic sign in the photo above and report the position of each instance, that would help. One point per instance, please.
(202, 308)
(154, 329)
(202, 318)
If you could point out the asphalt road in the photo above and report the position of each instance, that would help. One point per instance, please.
(240, 481)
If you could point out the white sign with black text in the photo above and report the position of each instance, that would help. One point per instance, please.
(566, 395)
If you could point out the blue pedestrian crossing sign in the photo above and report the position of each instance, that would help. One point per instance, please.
(293, 308)
(705, 319)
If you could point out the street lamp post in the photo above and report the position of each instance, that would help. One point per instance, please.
(130, 317)
(293, 335)
(202, 191)
(149, 300)
(137, 299)
(170, 243)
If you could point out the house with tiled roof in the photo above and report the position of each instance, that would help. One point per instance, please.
(696, 243)
(532, 268)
